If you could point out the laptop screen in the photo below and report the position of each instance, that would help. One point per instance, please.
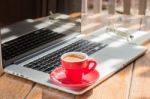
(18, 32)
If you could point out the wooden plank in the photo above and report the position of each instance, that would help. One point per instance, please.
(111, 6)
(38, 8)
(142, 7)
(130, 22)
(91, 23)
(44, 7)
(84, 7)
(141, 77)
(94, 22)
(12, 87)
(145, 26)
(4, 12)
(148, 8)
(97, 6)
(52, 5)
(66, 6)
(16, 10)
(74, 6)
(1, 67)
(126, 6)
(141, 72)
(43, 92)
(116, 87)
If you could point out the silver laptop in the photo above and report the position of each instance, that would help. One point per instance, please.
(32, 49)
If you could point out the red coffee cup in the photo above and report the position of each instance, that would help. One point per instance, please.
(75, 68)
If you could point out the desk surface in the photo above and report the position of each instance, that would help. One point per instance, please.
(131, 82)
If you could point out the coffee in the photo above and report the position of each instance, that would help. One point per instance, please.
(74, 58)
(76, 65)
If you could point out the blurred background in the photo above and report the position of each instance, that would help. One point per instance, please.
(15, 10)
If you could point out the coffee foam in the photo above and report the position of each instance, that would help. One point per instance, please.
(74, 57)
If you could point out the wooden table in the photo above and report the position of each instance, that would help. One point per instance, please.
(131, 82)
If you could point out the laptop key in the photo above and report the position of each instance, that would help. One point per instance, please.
(52, 60)
(28, 42)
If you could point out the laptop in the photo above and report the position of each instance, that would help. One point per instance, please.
(32, 49)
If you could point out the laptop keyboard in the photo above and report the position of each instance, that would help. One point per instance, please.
(28, 42)
(51, 61)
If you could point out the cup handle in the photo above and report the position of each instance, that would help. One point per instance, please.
(90, 68)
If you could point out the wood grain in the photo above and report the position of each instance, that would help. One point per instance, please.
(97, 6)
(12, 87)
(126, 6)
(16, 10)
(52, 5)
(84, 8)
(43, 92)
(74, 6)
(1, 67)
(145, 26)
(130, 22)
(141, 77)
(111, 6)
(116, 87)
(142, 6)
(93, 22)
(141, 73)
